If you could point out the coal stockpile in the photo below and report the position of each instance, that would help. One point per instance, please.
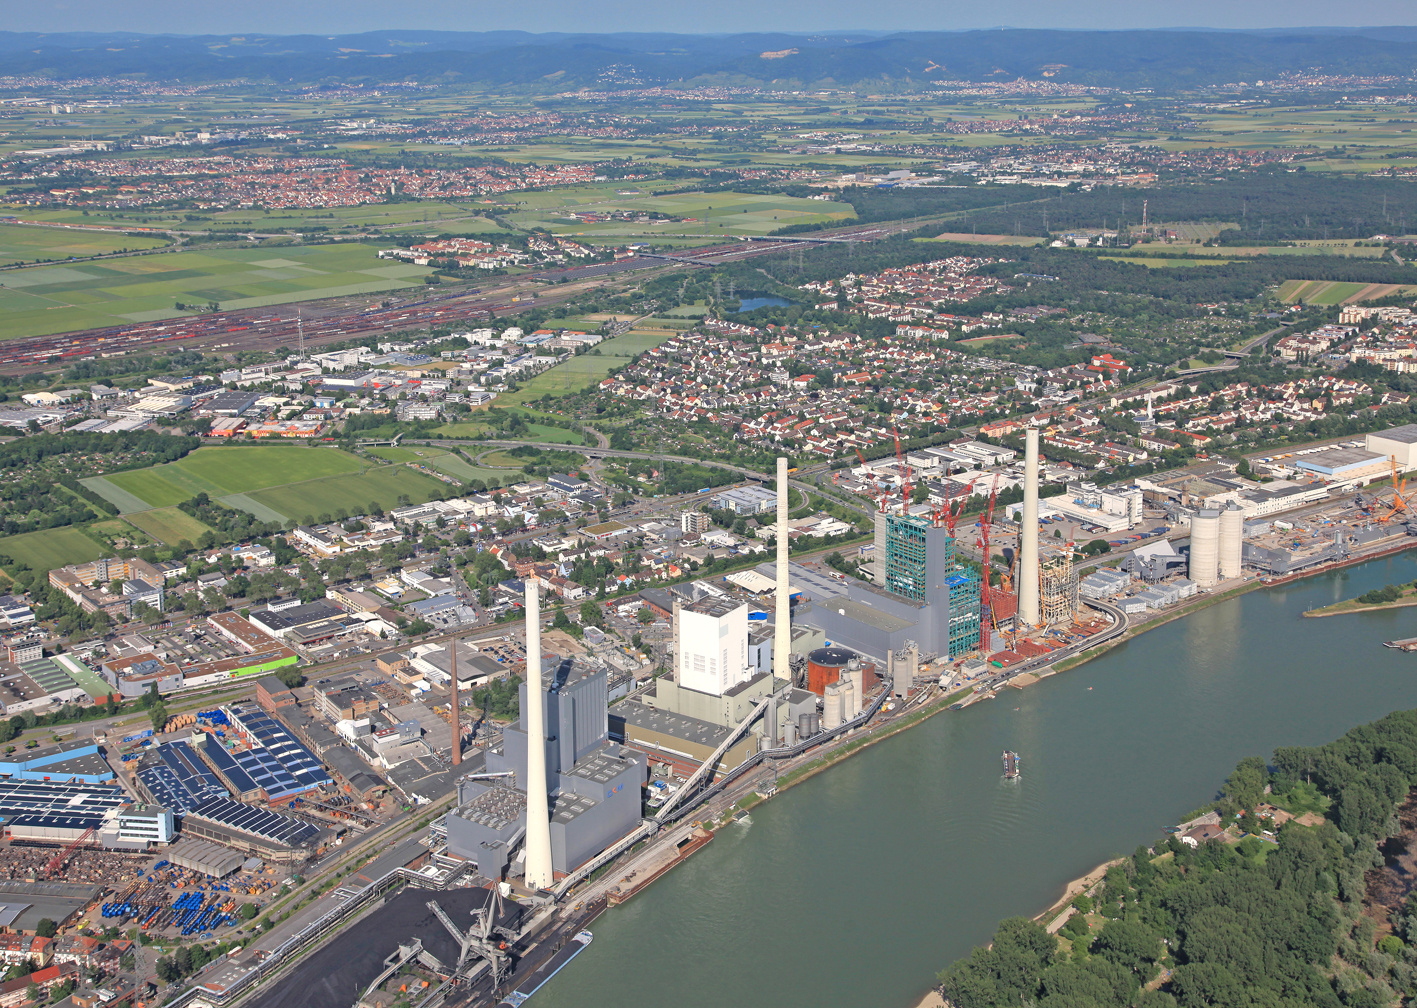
(336, 975)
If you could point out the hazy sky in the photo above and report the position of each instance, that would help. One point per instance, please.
(341, 16)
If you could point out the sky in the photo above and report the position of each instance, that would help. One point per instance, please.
(345, 16)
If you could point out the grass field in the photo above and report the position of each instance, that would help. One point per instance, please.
(585, 370)
(50, 548)
(384, 485)
(48, 299)
(21, 243)
(235, 469)
(169, 524)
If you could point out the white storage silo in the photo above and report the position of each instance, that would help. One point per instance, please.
(831, 706)
(1232, 539)
(1205, 548)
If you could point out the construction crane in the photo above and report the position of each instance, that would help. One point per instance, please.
(986, 599)
(1402, 502)
(57, 861)
(947, 514)
(906, 476)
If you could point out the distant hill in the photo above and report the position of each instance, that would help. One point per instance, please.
(1129, 59)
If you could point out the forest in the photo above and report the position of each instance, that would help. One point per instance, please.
(1261, 923)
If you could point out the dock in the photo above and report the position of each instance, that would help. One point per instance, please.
(634, 884)
(1406, 644)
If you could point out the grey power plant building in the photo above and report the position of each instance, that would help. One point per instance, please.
(595, 783)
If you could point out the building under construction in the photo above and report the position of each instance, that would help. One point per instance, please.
(1058, 586)
(922, 595)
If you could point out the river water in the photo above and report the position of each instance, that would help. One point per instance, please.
(857, 886)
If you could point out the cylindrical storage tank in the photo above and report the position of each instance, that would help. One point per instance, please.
(850, 699)
(1232, 539)
(789, 734)
(825, 665)
(1205, 548)
(808, 725)
(832, 705)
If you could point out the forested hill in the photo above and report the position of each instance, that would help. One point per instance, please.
(1128, 59)
(1247, 925)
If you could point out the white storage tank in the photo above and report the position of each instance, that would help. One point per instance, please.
(1232, 541)
(832, 700)
(1205, 548)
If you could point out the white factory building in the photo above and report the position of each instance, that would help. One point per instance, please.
(1400, 443)
(1110, 510)
(711, 649)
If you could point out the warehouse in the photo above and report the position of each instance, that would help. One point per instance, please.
(1398, 442)
(1345, 465)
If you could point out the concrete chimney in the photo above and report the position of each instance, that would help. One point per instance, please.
(782, 617)
(1029, 611)
(538, 804)
(456, 701)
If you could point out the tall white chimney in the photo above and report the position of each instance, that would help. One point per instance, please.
(538, 805)
(782, 618)
(1029, 612)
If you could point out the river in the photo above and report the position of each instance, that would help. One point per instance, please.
(857, 886)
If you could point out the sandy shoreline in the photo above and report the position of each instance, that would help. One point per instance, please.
(933, 999)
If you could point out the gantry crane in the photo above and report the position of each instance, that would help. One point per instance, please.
(484, 938)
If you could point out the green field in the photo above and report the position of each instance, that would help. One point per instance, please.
(50, 548)
(1333, 292)
(384, 485)
(49, 299)
(219, 471)
(582, 372)
(713, 214)
(22, 243)
(170, 525)
(1165, 262)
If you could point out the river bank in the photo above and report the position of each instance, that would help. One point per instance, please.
(1143, 736)
(1354, 606)
(1206, 601)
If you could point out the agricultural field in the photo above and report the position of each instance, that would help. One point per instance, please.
(20, 243)
(449, 462)
(169, 525)
(704, 214)
(49, 299)
(1333, 292)
(354, 492)
(373, 216)
(984, 239)
(50, 548)
(1165, 262)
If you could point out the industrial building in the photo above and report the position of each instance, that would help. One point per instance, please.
(1110, 509)
(1399, 443)
(711, 644)
(595, 784)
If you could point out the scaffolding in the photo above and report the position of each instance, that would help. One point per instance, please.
(905, 556)
(965, 612)
(1058, 593)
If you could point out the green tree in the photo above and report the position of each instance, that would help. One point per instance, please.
(46, 928)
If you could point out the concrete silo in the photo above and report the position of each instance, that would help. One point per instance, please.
(1205, 548)
(1232, 538)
